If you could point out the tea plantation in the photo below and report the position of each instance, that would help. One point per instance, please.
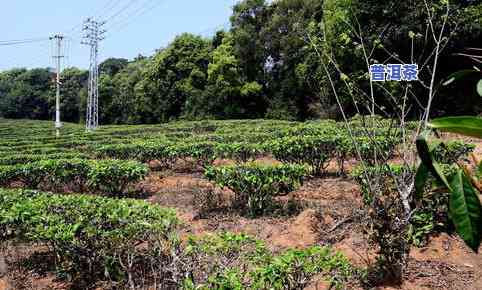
(79, 195)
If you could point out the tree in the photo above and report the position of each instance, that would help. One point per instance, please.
(26, 93)
(227, 93)
(176, 76)
(74, 81)
(112, 66)
(247, 21)
(123, 99)
(293, 71)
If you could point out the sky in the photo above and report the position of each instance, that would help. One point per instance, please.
(133, 27)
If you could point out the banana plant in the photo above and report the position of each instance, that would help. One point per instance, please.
(465, 208)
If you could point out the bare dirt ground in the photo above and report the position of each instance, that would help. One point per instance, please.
(330, 215)
(324, 211)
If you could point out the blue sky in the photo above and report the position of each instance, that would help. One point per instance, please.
(141, 27)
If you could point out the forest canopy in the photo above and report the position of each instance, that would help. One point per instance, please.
(264, 66)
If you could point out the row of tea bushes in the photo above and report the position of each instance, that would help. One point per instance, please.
(204, 152)
(27, 158)
(93, 238)
(109, 176)
(128, 242)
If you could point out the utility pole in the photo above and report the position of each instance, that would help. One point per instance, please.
(58, 39)
(93, 34)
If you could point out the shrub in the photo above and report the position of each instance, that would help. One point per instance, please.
(316, 151)
(26, 158)
(239, 151)
(141, 151)
(112, 176)
(293, 269)
(237, 261)
(430, 210)
(109, 176)
(384, 178)
(451, 151)
(93, 237)
(204, 153)
(387, 222)
(375, 148)
(255, 185)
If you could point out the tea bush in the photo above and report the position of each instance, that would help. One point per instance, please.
(315, 151)
(255, 185)
(430, 211)
(92, 237)
(452, 151)
(385, 175)
(203, 153)
(387, 221)
(26, 158)
(374, 148)
(238, 261)
(239, 151)
(109, 176)
(141, 151)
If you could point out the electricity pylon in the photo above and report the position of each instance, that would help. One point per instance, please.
(93, 34)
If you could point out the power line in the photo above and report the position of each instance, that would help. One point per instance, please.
(107, 7)
(148, 6)
(124, 8)
(132, 14)
(20, 42)
(27, 39)
(38, 57)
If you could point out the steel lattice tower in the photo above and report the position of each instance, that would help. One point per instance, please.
(93, 34)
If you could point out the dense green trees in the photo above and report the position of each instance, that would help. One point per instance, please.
(74, 94)
(228, 94)
(266, 65)
(175, 78)
(25, 93)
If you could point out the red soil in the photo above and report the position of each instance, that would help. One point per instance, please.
(330, 215)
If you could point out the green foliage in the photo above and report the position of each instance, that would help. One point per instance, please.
(466, 210)
(27, 158)
(264, 66)
(252, 266)
(465, 207)
(316, 151)
(469, 126)
(109, 176)
(112, 66)
(451, 151)
(292, 268)
(25, 93)
(141, 151)
(91, 236)
(240, 151)
(175, 77)
(382, 179)
(256, 185)
(227, 94)
(430, 208)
